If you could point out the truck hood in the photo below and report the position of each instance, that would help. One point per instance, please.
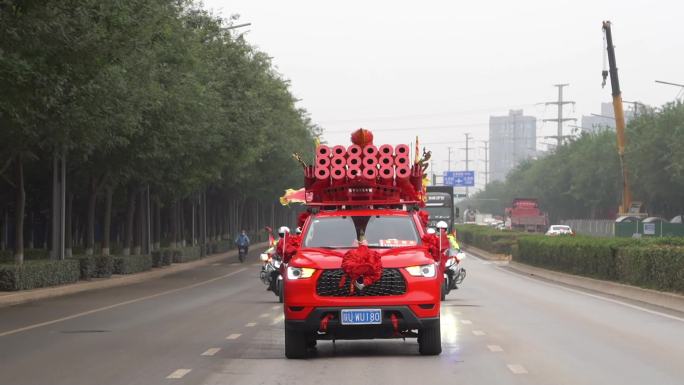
(319, 258)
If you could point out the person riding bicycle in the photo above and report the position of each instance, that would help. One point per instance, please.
(242, 241)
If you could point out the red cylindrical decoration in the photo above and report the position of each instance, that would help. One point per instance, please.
(338, 161)
(354, 150)
(386, 160)
(403, 172)
(402, 149)
(402, 160)
(338, 173)
(323, 150)
(322, 161)
(370, 162)
(354, 161)
(386, 172)
(353, 172)
(370, 150)
(370, 173)
(322, 173)
(339, 150)
(386, 149)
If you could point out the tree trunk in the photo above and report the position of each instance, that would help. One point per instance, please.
(157, 225)
(68, 241)
(138, 236)
(130, 220)
(92, 202)
(107, 220)
(19, 212)
(174, 224)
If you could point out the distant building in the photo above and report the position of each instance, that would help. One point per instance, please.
(512, 139)
(603, 121)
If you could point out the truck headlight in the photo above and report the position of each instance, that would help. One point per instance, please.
(299, 272)
(427, 271)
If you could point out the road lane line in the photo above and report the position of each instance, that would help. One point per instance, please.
(276, 307)
(180, 373)
(278, 319)
(124, 303)
(234, 336)
(211, 352)
(466, 322)
(250, 325)
(517, 369)
(495, 348)
(479, 333)
(264, 315)
(617, 302)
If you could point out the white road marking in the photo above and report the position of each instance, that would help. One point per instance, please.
(635, 307)
(495, 348)
(517, 369)
(479, 333)
(250, 325)
(276, 307)
(211, 352)
(234, 336)
(264, 315)
(278, 319)
(180, 373)
(30, 327)
(466, 322)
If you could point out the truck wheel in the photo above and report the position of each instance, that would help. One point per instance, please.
(295, 344)
(430, 340)
(444, 289)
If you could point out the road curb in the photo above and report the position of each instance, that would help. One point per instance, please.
(104, 283)
(667, 300)
(486, 255)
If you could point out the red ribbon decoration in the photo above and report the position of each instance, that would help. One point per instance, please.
(361, 262)
(291, 246)
(424, 217)
(302, 218)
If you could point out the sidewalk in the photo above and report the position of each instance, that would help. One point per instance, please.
(666, 300)
(18, 297)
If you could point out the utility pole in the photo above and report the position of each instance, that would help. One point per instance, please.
(486, 160)
(449, 159)
(467, 160)
(559, 119)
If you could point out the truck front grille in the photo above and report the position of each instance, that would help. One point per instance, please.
(392, 282)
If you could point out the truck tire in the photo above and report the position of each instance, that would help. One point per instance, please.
(295, 344)
(281, 288)
(444, 289)
(430, 340)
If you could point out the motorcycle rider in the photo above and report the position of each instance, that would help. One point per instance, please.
(283, 233)
(242, 241)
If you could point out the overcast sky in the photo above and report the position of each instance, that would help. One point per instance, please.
(439, 69)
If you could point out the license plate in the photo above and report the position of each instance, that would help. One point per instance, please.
(361, 316)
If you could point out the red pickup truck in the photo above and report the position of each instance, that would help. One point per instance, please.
(362, 270)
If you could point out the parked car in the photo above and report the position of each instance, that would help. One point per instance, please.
(555, 230)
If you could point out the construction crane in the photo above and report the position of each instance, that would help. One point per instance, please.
(619, 116)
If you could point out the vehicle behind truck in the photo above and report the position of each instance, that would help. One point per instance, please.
(440, 205)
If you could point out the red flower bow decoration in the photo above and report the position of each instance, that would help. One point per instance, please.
(431, 242)
(361, 262)
(424, 217)
(291, 246)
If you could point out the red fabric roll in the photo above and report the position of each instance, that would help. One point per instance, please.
(322, 173)
(323, 150)
(403, 172)
(338, 161)
(353, 172)
(354, 161)
(401, 149)
(370, 150)
(386, 160)
(338, 173)
(354, 150)
(386, 172)
(370, 173)
(370, 162)
(322, 161)
(339, 150)
(402, 161)
(386, 149)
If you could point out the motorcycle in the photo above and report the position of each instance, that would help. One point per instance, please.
(270, 273)
(242, 253)
(454, 274)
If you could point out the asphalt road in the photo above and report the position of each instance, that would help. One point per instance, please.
(217, 325)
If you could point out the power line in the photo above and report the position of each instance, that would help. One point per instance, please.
(412, 128)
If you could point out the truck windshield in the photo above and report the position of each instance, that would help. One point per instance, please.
(344, 232)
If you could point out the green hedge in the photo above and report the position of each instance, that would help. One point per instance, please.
(186, 254)
(129, 264)
(7, 256)
(217, 247)
(487, 238)
(35, 274)
(95, 266)
(656, 267)
(162, 257)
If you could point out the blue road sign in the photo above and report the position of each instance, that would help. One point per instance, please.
(459, 178)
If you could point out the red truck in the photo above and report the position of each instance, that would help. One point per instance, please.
(525, 215)
(362, 270)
